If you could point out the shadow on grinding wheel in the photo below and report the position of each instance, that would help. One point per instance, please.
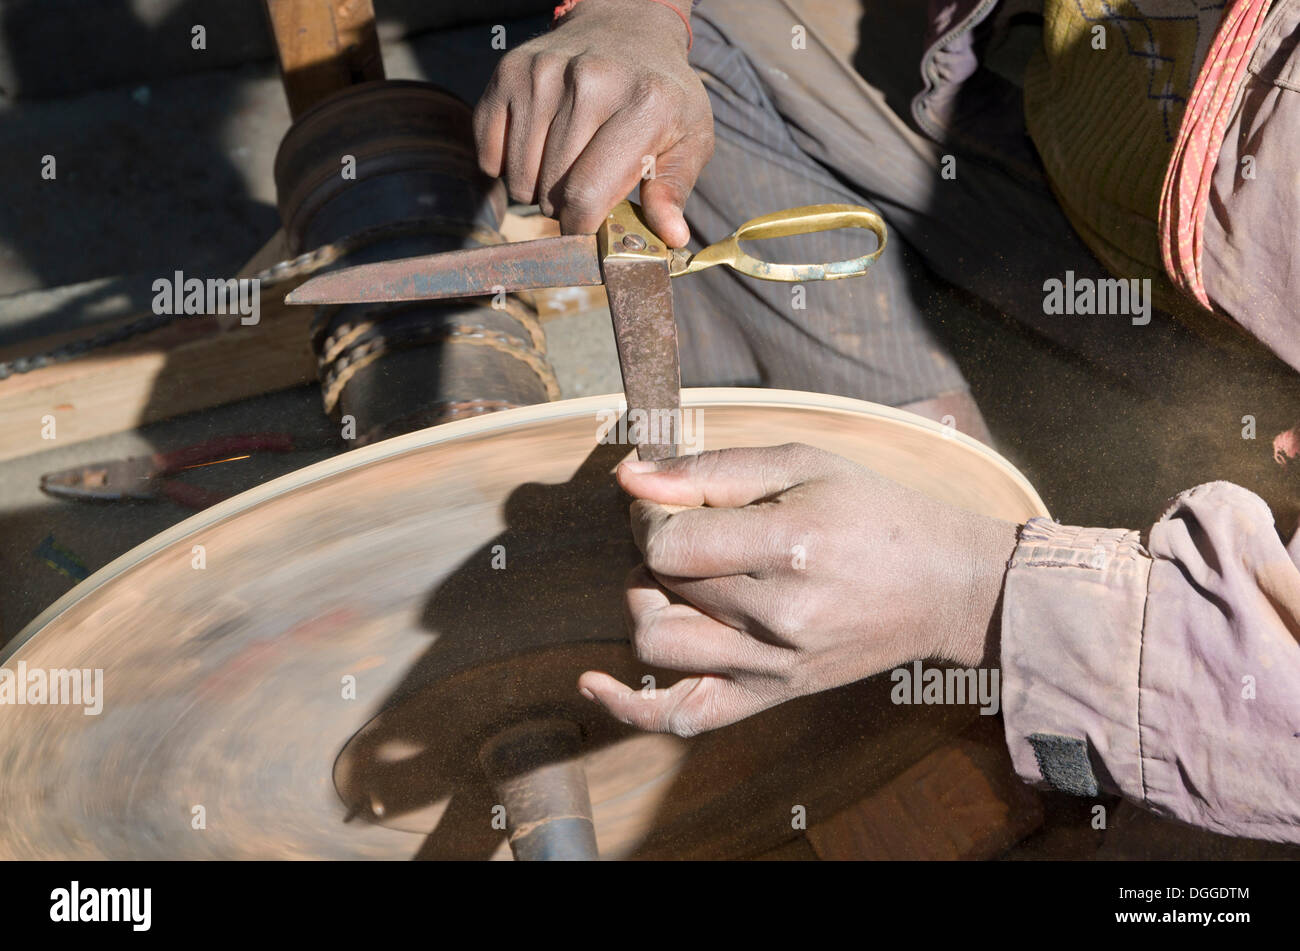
(517, 623)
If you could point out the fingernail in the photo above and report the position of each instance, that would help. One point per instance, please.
(587, 693)
(640, 466)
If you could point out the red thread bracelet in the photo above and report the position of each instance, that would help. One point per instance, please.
(686, 22)
(568, 5)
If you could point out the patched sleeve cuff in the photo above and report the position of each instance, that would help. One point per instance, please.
(1072, 620)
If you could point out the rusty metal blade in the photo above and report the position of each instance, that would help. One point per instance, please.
(641, 305)
(568, 261)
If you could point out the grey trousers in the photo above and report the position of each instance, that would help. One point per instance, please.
(798, 125)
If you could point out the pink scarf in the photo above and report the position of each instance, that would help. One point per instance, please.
(1185, 196)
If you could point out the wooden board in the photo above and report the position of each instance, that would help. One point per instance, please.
(962, 801)
(194, 363)
(323, 46)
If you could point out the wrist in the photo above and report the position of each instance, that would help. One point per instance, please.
(582, 7)
(974, 639)
(661, 13)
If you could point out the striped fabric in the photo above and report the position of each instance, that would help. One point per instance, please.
(797, 124)
(868, 339)
(1103, 102)
(1185, 196)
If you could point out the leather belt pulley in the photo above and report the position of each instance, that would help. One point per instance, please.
(388, 169)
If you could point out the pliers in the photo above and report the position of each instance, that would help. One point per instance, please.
(145, 477)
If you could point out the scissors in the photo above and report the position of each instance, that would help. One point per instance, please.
(633, 263)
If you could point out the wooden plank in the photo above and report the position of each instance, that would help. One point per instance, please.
(962, 801)
(796, 850)
(275, 250)
(323, 46)
(193, 363)
(190, 364)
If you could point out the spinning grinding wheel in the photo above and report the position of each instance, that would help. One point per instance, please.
(457, 580)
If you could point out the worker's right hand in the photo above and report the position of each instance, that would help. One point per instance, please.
(778, 572)
(573, 119)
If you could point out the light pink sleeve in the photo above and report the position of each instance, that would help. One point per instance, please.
(1168, 674)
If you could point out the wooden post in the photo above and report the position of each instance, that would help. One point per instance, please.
(323, 46)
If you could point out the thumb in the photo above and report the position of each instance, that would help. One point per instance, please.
(663, 194)
(723, 478)
(690, 706)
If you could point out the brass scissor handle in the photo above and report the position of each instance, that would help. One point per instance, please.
(625, 235)
(783, 224)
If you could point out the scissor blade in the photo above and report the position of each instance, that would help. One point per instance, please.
(568, 261)
(641, 305)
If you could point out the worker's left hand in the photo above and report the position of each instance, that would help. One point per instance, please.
(576, 117)
(800, 571)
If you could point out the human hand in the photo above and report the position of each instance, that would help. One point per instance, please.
(572, 118)
(802, 571)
